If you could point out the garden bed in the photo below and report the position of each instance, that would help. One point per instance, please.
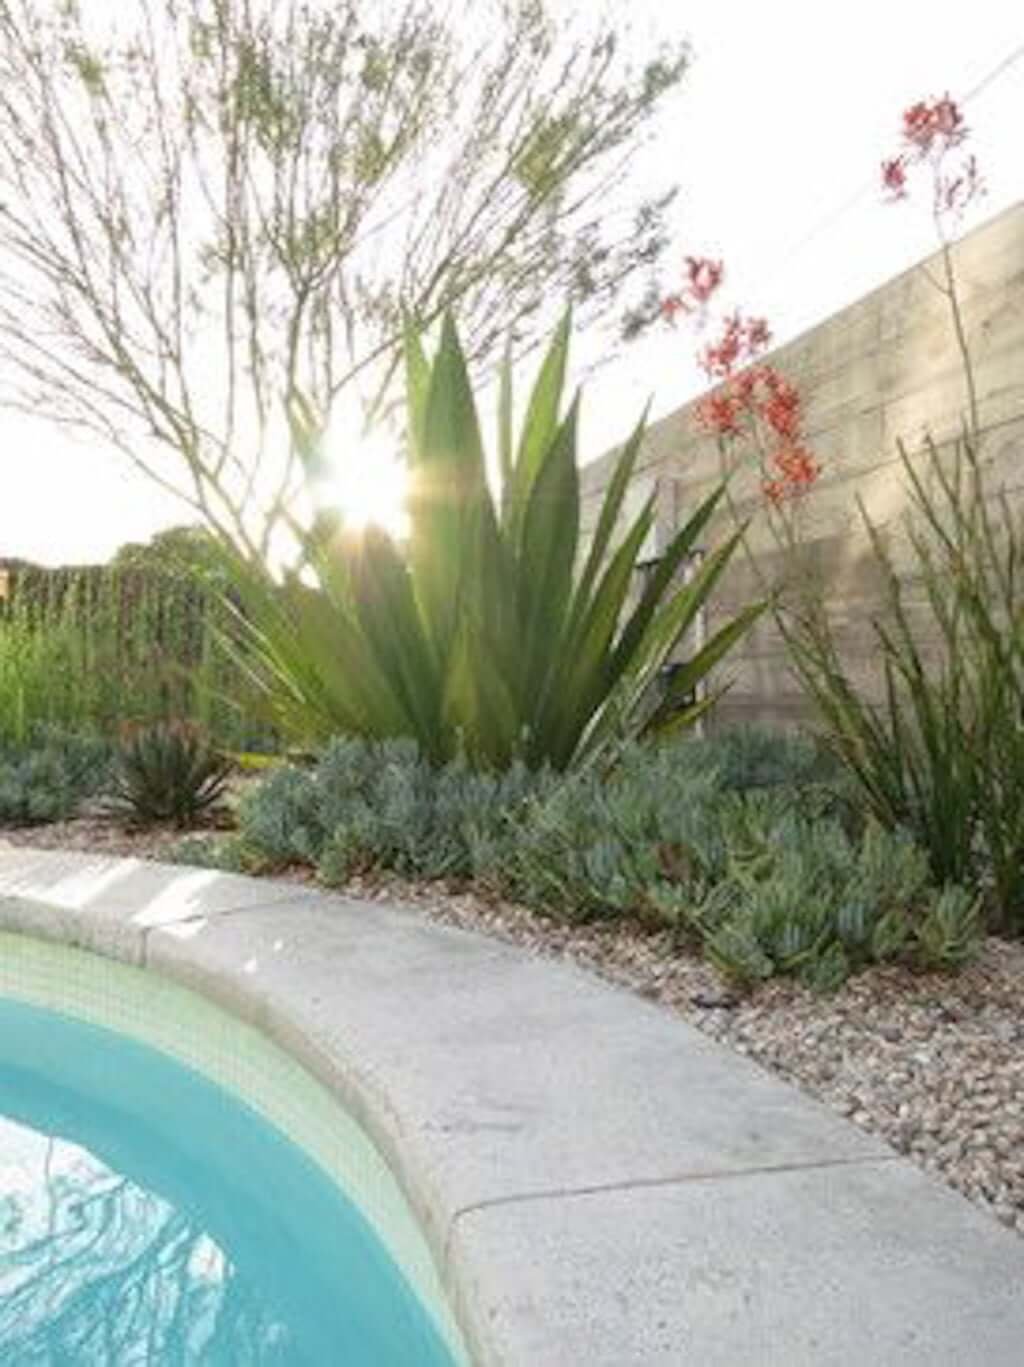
(932, 1063)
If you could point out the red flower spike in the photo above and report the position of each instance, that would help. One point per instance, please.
(704, 277)
(796, 465)
(797, 472)
(748, 395)
(947, 121)
(917, 125)
(782, 414)
(941, 121)
(894, 178)
(719, 358)
(758, 335)
(930, 130)
(741, 340)
(747, 381)
(720, 414)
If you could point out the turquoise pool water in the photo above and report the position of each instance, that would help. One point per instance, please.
(148, 1216)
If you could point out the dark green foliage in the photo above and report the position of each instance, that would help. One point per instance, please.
(67, 634)
(50, 775)
(746, 757)
(183, 553)
(167, 772)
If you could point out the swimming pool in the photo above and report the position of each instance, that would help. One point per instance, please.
(175, 1188)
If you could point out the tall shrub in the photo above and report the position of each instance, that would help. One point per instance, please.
(93, 648)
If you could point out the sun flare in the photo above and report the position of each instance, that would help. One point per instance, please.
(369, 485)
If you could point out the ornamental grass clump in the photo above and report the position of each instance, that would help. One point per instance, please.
(941, 751)
(491, 631)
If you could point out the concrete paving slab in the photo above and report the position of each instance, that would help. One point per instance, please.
(503, 1075)
(864, 1265)
(45, 891)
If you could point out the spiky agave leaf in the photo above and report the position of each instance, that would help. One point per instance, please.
(481, 634)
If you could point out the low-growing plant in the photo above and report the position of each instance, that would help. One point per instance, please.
(380, 805)
(765, 881)
(167, 772)
(751, 756)
(758, 877)
(420, 821)
(618, 844)
(225, 853)
(49, 775)
(279, 820)
(800, 897)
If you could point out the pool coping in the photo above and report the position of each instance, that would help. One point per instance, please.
(598, 1181)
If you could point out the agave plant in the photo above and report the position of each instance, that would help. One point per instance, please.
(489, 630)
(167, 772)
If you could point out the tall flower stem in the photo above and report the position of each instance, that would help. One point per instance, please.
(953, 295)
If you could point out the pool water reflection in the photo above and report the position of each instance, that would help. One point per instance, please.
(147, 1216)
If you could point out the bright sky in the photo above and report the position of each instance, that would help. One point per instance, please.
(787, 112)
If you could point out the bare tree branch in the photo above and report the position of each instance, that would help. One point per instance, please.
(208, 207)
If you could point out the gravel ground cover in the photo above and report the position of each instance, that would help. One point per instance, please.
(935, 1065)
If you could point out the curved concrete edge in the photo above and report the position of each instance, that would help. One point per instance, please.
(598, 1181)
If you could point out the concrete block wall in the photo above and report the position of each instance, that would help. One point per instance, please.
(884, 370)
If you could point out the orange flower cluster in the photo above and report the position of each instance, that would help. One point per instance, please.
(742, 339)
(703, 277)
(760, 393)
(930, 131)
(797, 471)
(748, 394)
(926, 124)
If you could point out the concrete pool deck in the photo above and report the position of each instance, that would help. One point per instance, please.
(600, 1183)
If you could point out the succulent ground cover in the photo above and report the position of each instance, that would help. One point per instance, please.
(747, 848)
